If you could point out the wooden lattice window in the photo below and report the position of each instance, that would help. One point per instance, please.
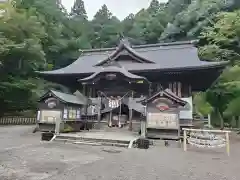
(72, 113)
(65, 113)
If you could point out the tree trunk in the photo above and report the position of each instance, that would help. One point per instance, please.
(221, 119)
(237, 121)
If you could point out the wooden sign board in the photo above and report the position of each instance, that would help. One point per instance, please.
(162, 121)
(50, 116)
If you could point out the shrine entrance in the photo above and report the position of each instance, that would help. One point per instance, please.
(115, 90)
(119, 117)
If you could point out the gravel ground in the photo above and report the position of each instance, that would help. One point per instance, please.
(24, 157)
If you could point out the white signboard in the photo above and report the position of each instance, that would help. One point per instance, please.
(162, 120)
(113, 103)
(50, 117)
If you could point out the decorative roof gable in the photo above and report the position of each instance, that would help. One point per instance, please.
(111, 69)
(167, 93)
(124, 49)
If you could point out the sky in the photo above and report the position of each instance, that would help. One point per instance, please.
(119, 8)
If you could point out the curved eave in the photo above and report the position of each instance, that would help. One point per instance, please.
(115, 70)
(170, 94)
(219, 65)
(210, 65)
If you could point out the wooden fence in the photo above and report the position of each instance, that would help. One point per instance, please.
(17, 121)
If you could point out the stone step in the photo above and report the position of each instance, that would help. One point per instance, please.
(101, 144)
(94, 142)
(97, 140)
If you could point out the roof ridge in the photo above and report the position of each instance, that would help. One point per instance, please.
(140, 46)
(166, 44)
(143, 50)
(61, 92)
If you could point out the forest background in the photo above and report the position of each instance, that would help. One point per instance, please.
(41, 35)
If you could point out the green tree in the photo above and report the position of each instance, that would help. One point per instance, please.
(21, 54)
(154, 7)
(79, 10)
(222, 43)
(202, 107)
(195, 17)
(106, 29)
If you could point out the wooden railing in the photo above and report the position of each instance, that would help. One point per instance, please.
(17, 120)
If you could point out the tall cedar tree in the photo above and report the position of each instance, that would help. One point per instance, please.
(79, 10)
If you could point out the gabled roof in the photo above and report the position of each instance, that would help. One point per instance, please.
(169, 94)
(124, 47)
(176, 56)
(66, 98)
(113, 67)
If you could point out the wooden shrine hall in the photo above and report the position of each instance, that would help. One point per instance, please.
(144, 87)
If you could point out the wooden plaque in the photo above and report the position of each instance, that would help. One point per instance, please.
(162, 121)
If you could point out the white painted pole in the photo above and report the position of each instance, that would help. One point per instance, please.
(209, 120)
(227, 144)
(57, 126)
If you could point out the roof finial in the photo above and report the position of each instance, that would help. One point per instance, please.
(125, 41)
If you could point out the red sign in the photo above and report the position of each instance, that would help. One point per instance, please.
(163, 107)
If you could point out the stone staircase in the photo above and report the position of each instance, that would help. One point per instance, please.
(93, 141)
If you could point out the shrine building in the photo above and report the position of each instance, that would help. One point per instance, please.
(130, 83)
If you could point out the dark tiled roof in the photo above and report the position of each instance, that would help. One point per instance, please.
(169, 94)
(68, 98)
(168, 56)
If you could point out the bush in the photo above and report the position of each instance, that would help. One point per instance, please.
(67, 129)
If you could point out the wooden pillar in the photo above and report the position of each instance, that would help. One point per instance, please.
(175, 88)
(150, 89)
(99, 112)
(130, 119)
(170, 86)
(189, 90)
(120, 114)
(90, 92)
(179, 89)
(84, 90)
(143, 124)
(159, 87)
(130, 114)
(184, 140)
(93, 92)
(110, 119)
